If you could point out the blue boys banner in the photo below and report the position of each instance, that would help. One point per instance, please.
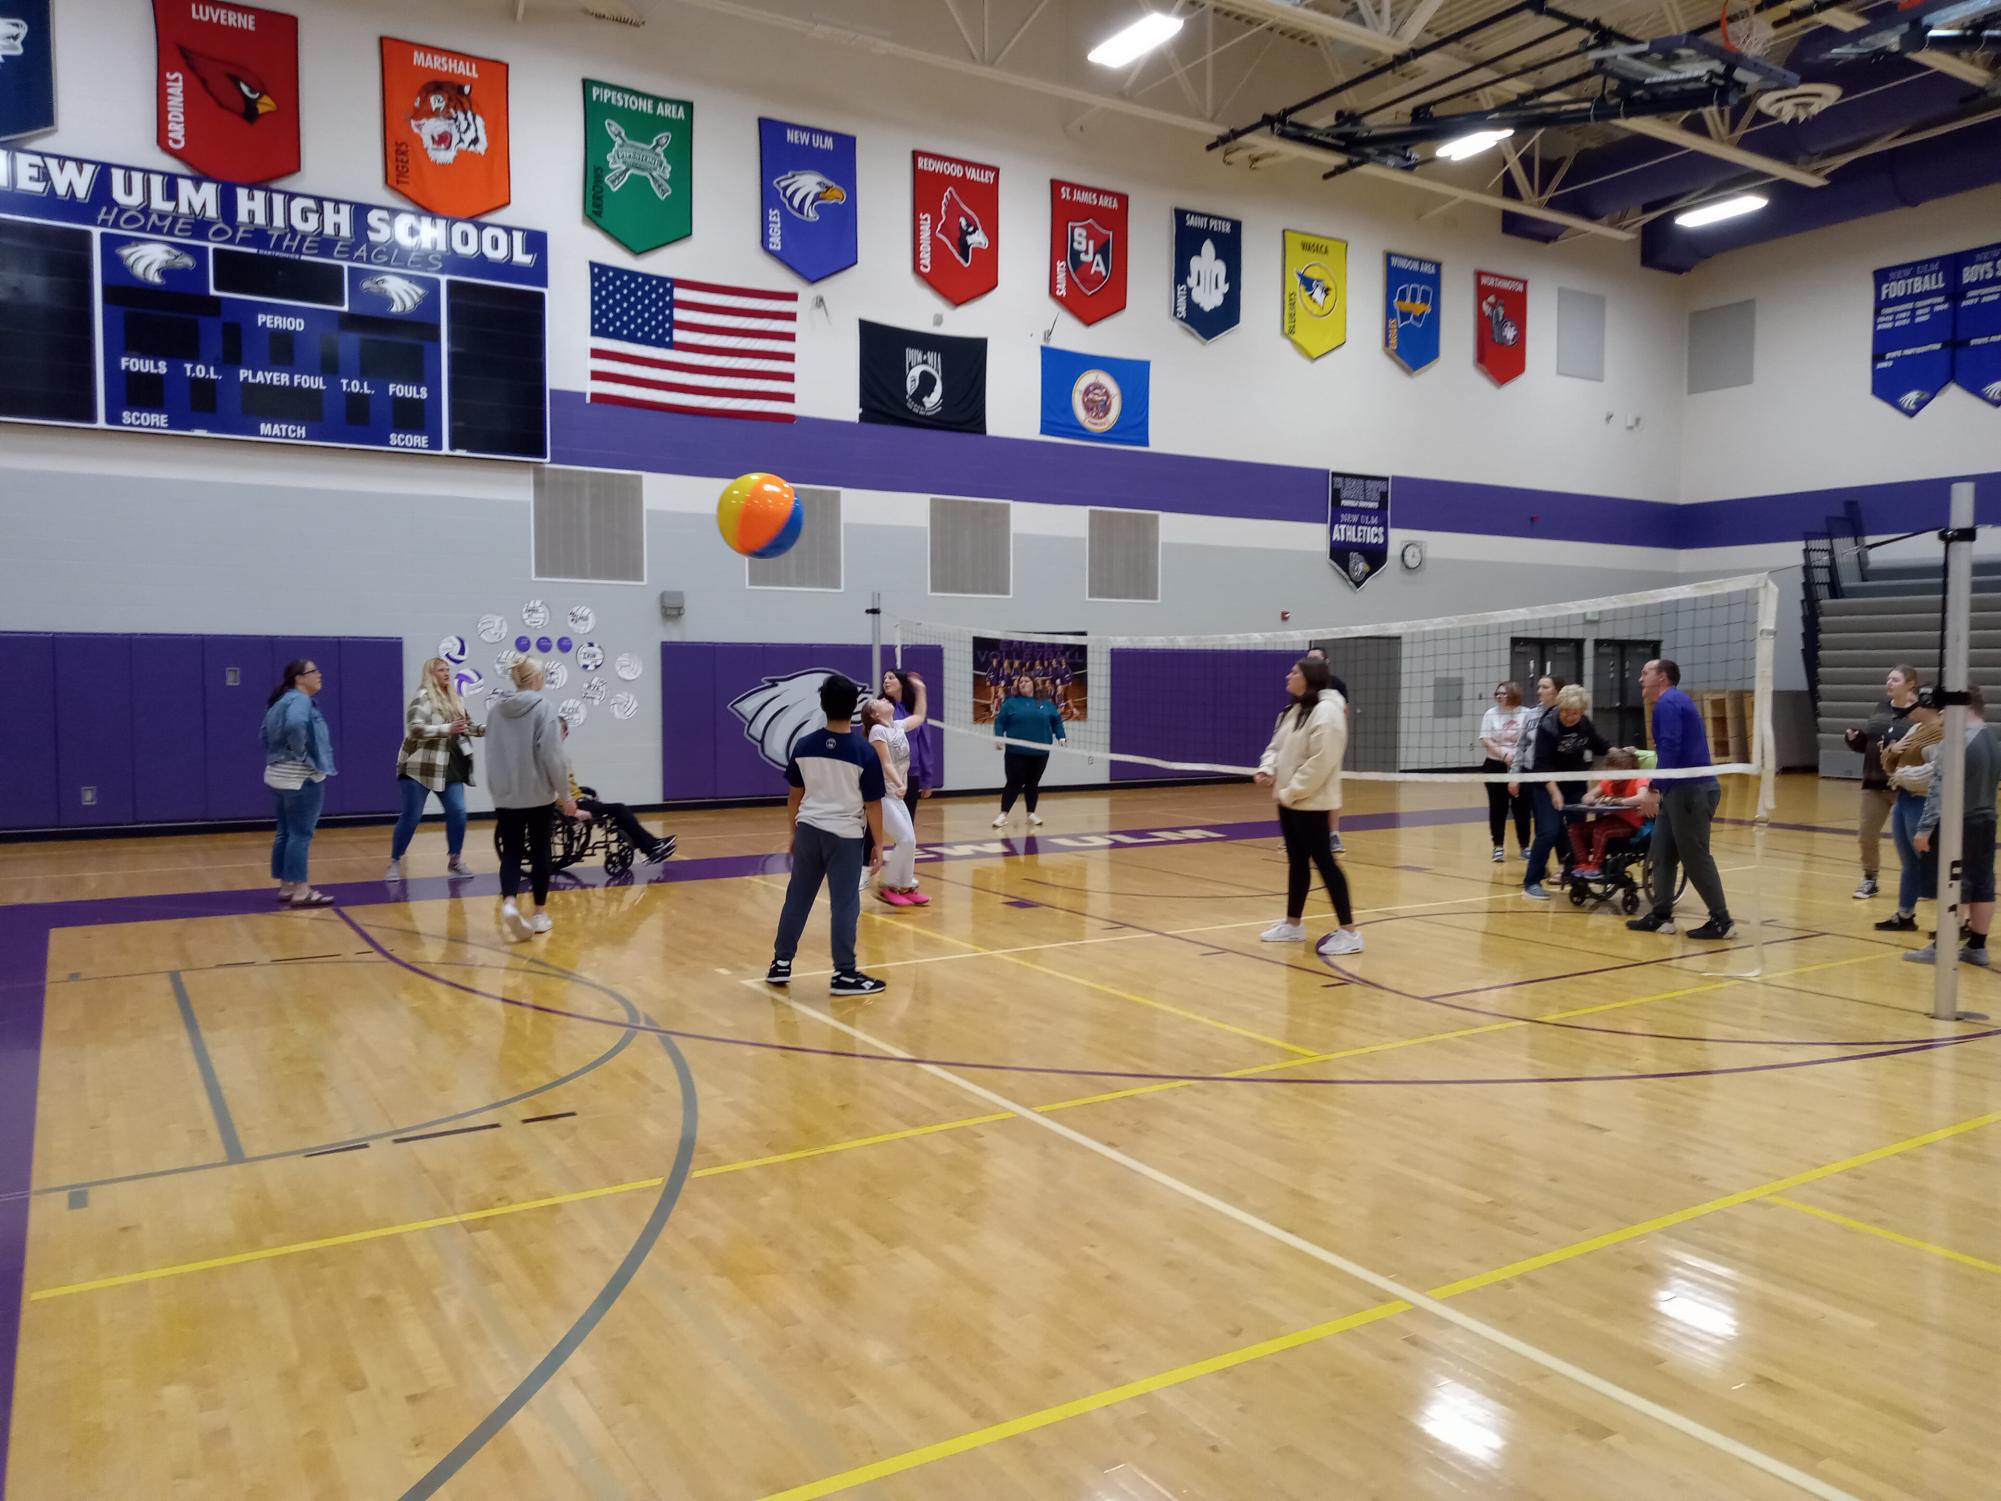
(27, 69)
(1097, 399)
(809, 197)
(1911, 350)
(1411, 287)
(1976, 362)
(1208, 265)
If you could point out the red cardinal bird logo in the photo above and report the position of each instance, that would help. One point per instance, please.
(231, 85)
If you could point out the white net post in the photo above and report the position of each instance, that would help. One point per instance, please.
(1952, 750)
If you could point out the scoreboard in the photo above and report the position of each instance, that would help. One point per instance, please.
(154, 302)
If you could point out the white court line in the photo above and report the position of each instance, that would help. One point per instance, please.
(1645, 1406)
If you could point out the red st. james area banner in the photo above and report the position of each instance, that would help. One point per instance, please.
(228, 88)
(1087, 245)
(444, 128)
(1500, 325)
(955, 225)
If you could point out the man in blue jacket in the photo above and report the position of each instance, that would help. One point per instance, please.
(1681, 808)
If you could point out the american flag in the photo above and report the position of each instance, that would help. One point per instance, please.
(675, 345)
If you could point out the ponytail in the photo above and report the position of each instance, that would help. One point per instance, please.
(294, 670)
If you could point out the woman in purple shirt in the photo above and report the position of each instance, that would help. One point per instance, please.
(926, 758)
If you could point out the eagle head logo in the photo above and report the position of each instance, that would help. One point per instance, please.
(780, 710)
(403, 294)
(1316, 286)
(444, 120)
(13, 37)
(805, 190)
(960, 228)
(150, 260)
(231, 85)
(1910, 401)
(1992, 393)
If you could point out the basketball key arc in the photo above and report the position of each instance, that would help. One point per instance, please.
(759, 515)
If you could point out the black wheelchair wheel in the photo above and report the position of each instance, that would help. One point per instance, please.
(1578, 893)
(617, 858)
(1630, 903)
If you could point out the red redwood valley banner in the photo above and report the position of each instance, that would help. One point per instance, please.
(955, 225)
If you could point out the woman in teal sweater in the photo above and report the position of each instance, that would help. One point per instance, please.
(1025, 717)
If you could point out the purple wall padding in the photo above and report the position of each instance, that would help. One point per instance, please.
(1201, 706)
(28, 748)
(234, 769)
(372, 696)
(93, 730)
(705, 751)
(170, 730)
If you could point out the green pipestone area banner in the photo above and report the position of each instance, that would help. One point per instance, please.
(638, 181)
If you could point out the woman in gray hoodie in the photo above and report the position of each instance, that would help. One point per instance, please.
(529, 776)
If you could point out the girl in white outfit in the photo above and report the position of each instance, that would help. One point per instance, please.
(1302, 766)
(890, 736)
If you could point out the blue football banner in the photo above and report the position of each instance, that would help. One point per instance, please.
(1911, 349)
(1976, 363)
(1208, 268)
(809, 197)
(27, 69)
(1412, 291)
(1097, 399)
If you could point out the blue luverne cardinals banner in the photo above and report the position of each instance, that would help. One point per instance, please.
(809, 197)
(27, 68)
(1976, 362)
(1208, 266)
(1911, 350)
(1097, 399)
(1411, 293)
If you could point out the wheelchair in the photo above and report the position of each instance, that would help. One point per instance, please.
(577, 840)
(1619, 881)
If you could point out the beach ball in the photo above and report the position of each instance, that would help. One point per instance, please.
(759, 516)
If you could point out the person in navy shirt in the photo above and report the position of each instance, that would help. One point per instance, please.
(836, 799)
(1681, 808)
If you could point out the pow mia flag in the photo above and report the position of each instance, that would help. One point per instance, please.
(921, 379)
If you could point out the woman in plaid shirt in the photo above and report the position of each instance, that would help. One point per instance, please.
(436, 757)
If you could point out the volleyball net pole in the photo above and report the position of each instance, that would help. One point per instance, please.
(1955, 624)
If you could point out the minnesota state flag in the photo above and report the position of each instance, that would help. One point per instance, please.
(1314, 305)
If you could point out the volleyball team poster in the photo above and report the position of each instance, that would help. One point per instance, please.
(1060, 672)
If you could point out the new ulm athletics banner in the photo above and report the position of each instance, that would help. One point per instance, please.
(228, 85)
(638, 165)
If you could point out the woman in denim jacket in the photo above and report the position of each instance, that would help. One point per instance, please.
(298, 759)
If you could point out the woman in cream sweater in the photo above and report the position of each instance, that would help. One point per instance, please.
(1302, 766)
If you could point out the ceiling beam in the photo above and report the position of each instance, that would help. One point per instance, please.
(1412, 26)
(1963, 68)
(1691, 140)
(1312, 22)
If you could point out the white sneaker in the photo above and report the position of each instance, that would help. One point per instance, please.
(394, 872)
(540, 923)
(1036, 819)
(1340, 941)
(458, 866)
(1284, 932)
(1001, 822)
(512, 923)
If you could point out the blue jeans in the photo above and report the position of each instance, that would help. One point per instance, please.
(415, 794)
(298, 816)
(838, 860)
(1917, 875)
(1549, 831)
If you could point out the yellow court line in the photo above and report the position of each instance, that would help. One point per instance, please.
(978, 1438)
(440, 1221)
(1885, 1233)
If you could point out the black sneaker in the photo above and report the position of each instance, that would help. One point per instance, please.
(1716, 927)
(1335, 845)
(780, 972)
(1901, 922)
(663, 847)
(1648, 923)
(853, 982)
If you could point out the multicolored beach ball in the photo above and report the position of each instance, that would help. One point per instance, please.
(759, 516)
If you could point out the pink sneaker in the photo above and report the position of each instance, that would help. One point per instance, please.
(894, 898)
(916, 898)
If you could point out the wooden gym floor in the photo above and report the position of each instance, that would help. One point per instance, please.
(1103, 1198)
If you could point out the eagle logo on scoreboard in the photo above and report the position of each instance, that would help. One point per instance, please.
(402, 294)
(151, 260)
(444, 128)
(13, 37)
(780, 710)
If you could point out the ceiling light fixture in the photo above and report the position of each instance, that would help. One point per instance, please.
(1721, 209)
(1138, 39)
(1472, 145)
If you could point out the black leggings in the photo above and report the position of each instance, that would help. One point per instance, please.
(910, 803)
(620, 817)
(1305, 831)
(526, 830)
(1024, 777)
(1498, 803)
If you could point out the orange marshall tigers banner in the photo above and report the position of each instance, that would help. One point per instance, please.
(444, 128)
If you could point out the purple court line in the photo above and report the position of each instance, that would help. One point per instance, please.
(1125, 1074)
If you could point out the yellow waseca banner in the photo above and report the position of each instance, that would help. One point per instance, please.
(1314, 296)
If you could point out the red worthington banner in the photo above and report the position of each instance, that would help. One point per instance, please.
(1087, 250)
(1500, 325)
(954, 225)
(444, 128)
(228, 86)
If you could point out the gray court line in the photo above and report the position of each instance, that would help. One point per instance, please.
(232, 1149)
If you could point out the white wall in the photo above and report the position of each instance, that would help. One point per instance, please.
(1807, 420)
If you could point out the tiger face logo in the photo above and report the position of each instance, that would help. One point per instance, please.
(444, 121)
(779, 711)
(805, 191)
